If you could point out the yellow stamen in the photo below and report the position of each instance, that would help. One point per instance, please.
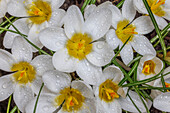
(156, 4)
(148, 67)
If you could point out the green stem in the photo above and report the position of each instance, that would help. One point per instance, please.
(93, 2)
(162, 32)
(159, 51)
(3, 23)
(14, 109)
(9, 103)
(38, 97)
(156, 27)
(84, 5)
(120, 4)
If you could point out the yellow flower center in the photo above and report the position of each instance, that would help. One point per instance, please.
(39, 12)
(124, 30)
(167, 85)
(79, 46)
(148, 67)
(24, 72)
(108, 91)
(156, 7)
(72, 98)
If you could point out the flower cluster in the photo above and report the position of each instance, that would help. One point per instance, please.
(83, 74)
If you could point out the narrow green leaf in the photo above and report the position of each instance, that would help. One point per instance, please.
(120, 4)
(9, 103)
(14, 109)
(84, 5)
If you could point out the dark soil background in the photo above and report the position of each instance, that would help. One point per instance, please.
(79, 3)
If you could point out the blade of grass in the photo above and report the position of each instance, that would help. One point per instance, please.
(38, 98)
(162, 32)
(14, 109)
(9, 103)
(135, 59)
(156, 27)
(163, 82)
(3, 23)
(84, 5)
(120, 4)
(93, 2)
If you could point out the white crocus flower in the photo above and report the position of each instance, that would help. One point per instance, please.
(39, 13)
(110, 98)
(124, 27)
(149, 66)
(75, 96)
(76, 46)
(26, 77)
(160, 9)
(161, 102)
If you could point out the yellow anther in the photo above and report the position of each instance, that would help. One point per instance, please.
(129, 31)
(156, 4)
(22, 73)
(148, 67)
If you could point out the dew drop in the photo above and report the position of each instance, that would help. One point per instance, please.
(4, 85)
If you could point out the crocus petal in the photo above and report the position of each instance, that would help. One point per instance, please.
(126, 53)
(139, 6)
(55, 80)
(162, 102)
(112, 72)
(127, 104)
(63, 62)
(45, 104)
(33, 36)
(116, 14)
(56, 17)
(73, 21)
(17, 8)
(56, 3)
(111, 39)
(162, 23)
(143, 25)
(142, 45)
(42, 63)
(159, 64)
(98, 23)
(84, 88)
(88, 72)
(21, 25)
(101, 54)
(128, 10)
(166, 71)
(22, 95)
(36, 85)
(88, 10)
(21, 50)
(6, 87)
(167, 14)
(6, 60)
(53, 38)
(3, 8)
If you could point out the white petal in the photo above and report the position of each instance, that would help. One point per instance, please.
(6, 60)
(101, 54)
(22, 95)
(113, 72)
(84, 88)
(88, 72)
(6, 87)
(88, 10)
(56, 17)
(53, 38)
(116, 14)
(36, 85)
(98, 23)
(127, 104)
(17, 8)
(63, 62)
(162, 23)
(167, 14)
(126, 53)
(159, 65)
(114, 107)
(21, 49)
(33, 36)
(55, 80)
(3, 8)
(143, 25)
(42, 63)
(142, 45)
(139, 6)
(128, 10)
(166, 71)
(162, 102)
(45, 104)
(56, 3)
(21, 25)
(73, 21)
(111, 39)
(88, 106)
